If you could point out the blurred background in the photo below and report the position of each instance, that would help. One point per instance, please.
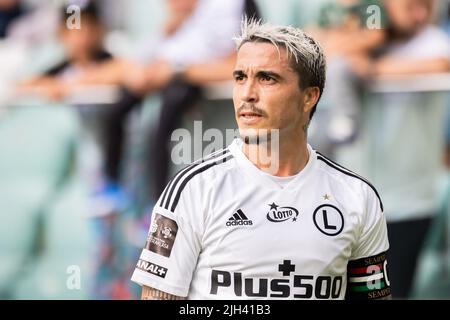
(91, 91)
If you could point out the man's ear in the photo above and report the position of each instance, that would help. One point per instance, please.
(310, 98)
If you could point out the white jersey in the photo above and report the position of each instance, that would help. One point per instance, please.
(223, 229)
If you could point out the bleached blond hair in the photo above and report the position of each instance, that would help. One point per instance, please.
(305, 54)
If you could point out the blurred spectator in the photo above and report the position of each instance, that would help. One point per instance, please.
(415, 46)
(10, 10)
(411, 45)
(83, 49)
(432, 278)
(186, 54)
(404, 36)
(16, 17)
(404, 43)
(27, 27)
(351, 32)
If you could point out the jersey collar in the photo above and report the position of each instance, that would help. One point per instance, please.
(255, 173)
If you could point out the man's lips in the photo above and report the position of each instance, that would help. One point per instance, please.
(250, 118)
(249, 114)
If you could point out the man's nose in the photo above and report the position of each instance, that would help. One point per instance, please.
(249, 91)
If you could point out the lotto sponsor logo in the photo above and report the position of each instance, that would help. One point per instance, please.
(281, 214)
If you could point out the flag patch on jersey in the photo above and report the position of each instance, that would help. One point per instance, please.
(162, 235)
(367, 278)
(239, 219)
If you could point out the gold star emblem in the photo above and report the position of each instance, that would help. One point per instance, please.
(326, 197)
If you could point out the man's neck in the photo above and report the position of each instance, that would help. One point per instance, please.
(288, 159)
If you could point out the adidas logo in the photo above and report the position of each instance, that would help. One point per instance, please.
(239, 219)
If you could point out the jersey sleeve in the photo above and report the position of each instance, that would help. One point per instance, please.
(169, 258)
(367, 274)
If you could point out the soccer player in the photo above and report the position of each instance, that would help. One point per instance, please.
(231, 227)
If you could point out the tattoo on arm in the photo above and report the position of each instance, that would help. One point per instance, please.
(149, 293)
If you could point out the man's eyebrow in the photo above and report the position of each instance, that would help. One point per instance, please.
(264, 73)
(261, 73)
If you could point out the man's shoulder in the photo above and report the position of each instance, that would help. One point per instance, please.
(215, 163)
(196, 177)
(212, 164)
(347, 178)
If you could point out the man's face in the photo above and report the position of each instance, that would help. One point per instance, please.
(409, 16)
(83, 41)
(266, 92)
(8, 4)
